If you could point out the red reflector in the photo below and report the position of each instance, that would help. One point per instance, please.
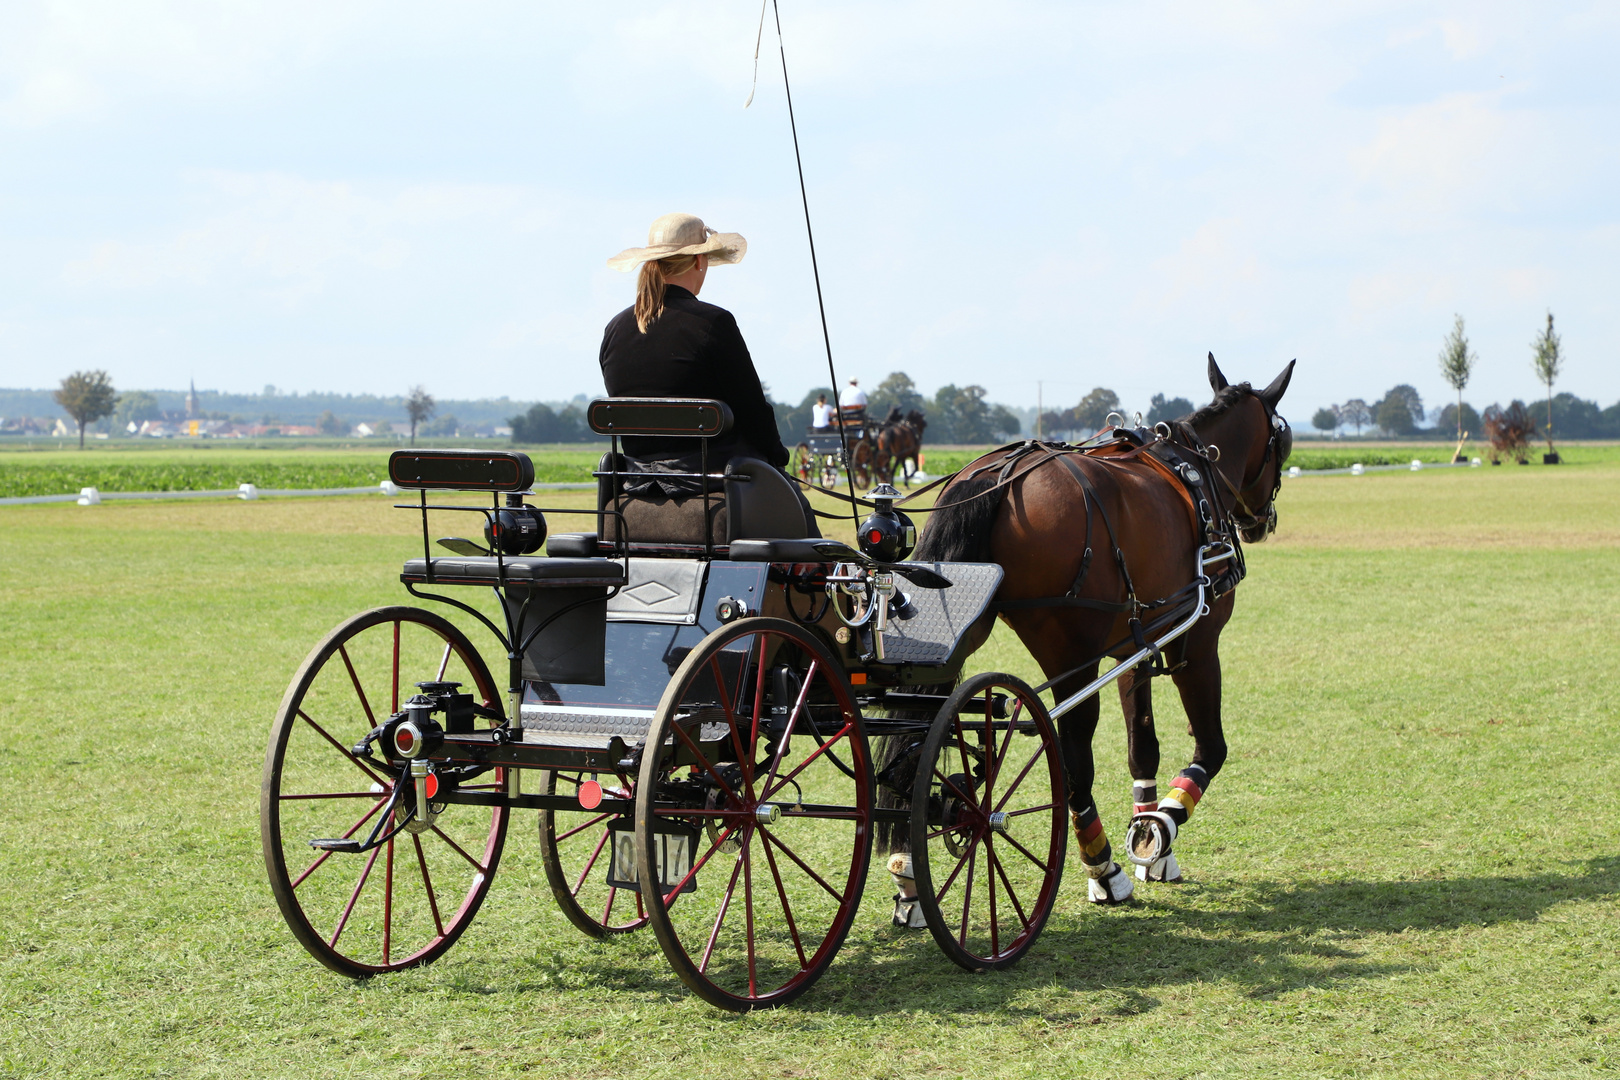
(404, 739)
(857, 678)
(590, 794)
(432, 786)
(875, 537)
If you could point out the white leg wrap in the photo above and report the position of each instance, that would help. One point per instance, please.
(1149, 838)
(1164, 869)
(908, 913)
(1110, 885)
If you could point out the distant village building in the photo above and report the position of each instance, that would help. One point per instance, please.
(191, 401)
(363, 431)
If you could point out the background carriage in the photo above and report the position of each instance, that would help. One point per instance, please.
(876, 450)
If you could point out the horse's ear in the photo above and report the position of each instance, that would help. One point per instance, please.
(1273, 393)
(1216, 379)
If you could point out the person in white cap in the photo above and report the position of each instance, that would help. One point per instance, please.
(671, 344)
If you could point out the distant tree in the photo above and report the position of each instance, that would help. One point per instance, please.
(1399, 410)
(1356, 413)
(1161, 410)
(135, 407)
(1054, 424)
(419, 406)
(1549, 358)
(446, 426)
(1456, 364)
(542, 424)
(329, 424)
(1092, 412)
(1003, 424)
(896, 390)
(960, 415)
(1467, 421)
(86, 396)
(382, 427)
(1325, 419)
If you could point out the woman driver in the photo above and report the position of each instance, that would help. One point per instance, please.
(671, 344)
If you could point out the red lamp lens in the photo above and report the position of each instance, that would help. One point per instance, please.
(404, 739)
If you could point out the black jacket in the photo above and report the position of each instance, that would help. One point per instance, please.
(693, 349)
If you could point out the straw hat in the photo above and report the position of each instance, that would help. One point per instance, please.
(683, 234)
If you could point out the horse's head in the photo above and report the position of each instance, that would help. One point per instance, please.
(1255, 442)
(916, 420)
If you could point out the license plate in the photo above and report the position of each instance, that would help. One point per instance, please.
(675, 848)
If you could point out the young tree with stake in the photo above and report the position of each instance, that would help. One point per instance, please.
(1548, 360)
(1456, 364)
(86, 396)
(419, 406)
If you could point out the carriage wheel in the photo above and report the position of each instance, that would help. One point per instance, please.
(576, 848)
(405, 902)
(860, 464)
(988, 829)
(770, 783)
(804, 462)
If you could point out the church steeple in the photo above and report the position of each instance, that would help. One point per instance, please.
(191, 401)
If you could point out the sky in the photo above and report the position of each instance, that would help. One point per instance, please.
(362, 196)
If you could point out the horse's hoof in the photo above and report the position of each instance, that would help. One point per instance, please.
(908, 913)
(1114, 887)
(1164, 869)
(1148, 840)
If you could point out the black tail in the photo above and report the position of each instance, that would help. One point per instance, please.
(960, 532)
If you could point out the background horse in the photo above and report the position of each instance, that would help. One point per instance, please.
(1038, 525)
(900, 444)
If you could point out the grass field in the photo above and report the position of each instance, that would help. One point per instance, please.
(1409, 867)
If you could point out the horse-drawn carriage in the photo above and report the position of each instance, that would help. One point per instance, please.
(878, 451)
(689, 701)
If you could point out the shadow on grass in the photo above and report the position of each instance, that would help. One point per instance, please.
(1266, 938)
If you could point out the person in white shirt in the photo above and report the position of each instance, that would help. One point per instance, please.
(821, 413)
(853, 396)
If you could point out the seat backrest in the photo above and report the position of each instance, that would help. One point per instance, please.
(756, 502)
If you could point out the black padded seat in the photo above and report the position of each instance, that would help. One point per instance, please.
(532, 570)
(755, 500)
(793, 551)
(571, 545)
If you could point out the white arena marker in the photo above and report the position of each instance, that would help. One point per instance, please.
(1356, 469)
(1293, 470)
(247, 491)
(1416, 464)
(1475, 463)
(89, 497)
(388, 487)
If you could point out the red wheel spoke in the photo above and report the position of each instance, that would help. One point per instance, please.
(759, 706)
(480, 867)
(327, 854)
(1045, 869)
(703, 762)
(719, 920)
(960, 794)
(792, 725)
(995, 864)
(607, 912)
(1001, 755)
(1030, 764)
(805, 764)
(967, 894)
(344, 750)
(444, 662)
(990, 873)
(354, 897)
(787, 910)
(597, 820)
(789, 852)
(961, 861)
(388, 900)
(674, 893)
(333, 795)
(748, 900)
(596, 854)
(427, 884)
(397, 625)
(731, 713)
(359, 690)
(1032, 809)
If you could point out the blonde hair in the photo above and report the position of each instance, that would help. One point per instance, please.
(650, 286)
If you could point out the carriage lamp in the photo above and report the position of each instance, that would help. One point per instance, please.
(887, 535)
(418, 734)
(730, 609)
(515, 529)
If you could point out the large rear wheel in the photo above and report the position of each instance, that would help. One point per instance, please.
(988, 827)
(754, 814)
(405, 901)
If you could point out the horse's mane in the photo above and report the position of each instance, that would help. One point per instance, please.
(1225, 398)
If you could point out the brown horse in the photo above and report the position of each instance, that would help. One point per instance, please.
(1039, 525)
(900, 445)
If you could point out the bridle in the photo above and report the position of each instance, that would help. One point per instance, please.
(1245, 517)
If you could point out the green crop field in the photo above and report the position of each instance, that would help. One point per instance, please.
(1410, 866)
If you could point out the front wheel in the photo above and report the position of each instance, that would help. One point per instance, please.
(754, 814)
(804, 462)
(404, 902)
(988, 829)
